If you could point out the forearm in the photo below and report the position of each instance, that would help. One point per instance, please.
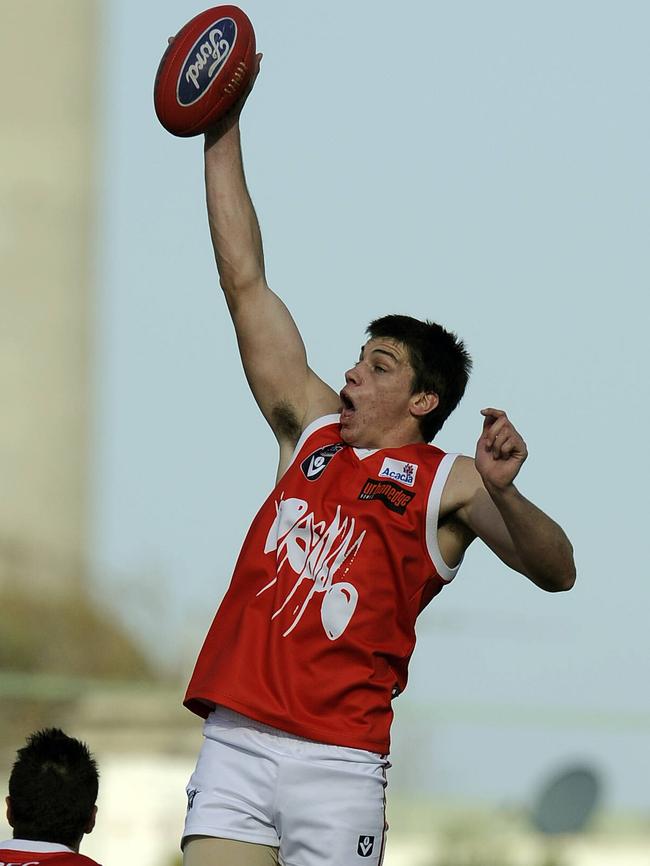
(234, 228)
(541, 544)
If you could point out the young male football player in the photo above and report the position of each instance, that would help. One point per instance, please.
(367, 523)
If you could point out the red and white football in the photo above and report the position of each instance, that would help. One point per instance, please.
(204, 71)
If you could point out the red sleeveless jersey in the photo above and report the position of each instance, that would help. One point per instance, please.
(317, 627)
(20, 852)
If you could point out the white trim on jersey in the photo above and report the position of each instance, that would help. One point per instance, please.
(316, 424)
(433, 509)
(362, 453)
(446, 572)
(33, 847)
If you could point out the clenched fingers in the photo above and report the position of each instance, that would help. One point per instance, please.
(499, 436)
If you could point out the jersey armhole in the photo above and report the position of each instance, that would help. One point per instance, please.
(446, 572)
(315, 425)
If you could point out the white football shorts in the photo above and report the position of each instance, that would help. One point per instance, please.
(321, 805)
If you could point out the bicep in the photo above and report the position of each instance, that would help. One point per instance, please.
(288, 392)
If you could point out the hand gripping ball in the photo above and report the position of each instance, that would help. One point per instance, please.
(205, 70)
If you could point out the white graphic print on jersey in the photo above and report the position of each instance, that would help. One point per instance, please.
(315, 552)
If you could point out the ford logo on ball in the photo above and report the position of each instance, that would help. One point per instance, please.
(204, 60)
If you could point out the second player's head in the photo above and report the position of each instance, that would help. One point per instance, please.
(53, 789)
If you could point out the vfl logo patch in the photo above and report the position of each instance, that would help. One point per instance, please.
(204, 61)
(392, 495)
(399, 471)
(314, 465)
(365, 846)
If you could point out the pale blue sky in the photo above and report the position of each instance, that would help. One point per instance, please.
(482, 164)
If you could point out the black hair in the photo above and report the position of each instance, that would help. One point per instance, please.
(53, 788)
(440, 362)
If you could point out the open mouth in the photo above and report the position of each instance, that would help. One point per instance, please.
(347, 404)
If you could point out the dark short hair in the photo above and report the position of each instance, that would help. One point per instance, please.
(53, 788)
(439, 359)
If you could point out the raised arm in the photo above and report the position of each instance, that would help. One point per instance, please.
(482, 495)
(287, 391)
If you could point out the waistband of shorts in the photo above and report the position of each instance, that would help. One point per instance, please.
(225, 716)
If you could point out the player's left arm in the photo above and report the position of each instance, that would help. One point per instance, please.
(492, 508)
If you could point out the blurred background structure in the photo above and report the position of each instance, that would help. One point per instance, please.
(48, 188)
(57, 642)
(505, 163)
(48, 200)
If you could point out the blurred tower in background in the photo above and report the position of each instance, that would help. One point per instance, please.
(48, 60)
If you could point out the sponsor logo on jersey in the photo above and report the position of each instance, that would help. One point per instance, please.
(365, 846)
(204, 60)
(399, 471)
(314, 465)
(191, 794)
(392, 495)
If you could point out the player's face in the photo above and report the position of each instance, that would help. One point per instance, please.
(377, 400)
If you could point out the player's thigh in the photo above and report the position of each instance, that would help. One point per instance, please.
(332, 808)
(208, 851)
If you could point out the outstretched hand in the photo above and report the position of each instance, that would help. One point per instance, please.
(500, 451)
(232, 117)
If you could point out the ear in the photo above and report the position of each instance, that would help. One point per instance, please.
(90, 826)
(423, 402)
(10, 814)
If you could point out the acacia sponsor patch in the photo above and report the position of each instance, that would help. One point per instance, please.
(314, 465)
(392, 495)
(399, 471)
